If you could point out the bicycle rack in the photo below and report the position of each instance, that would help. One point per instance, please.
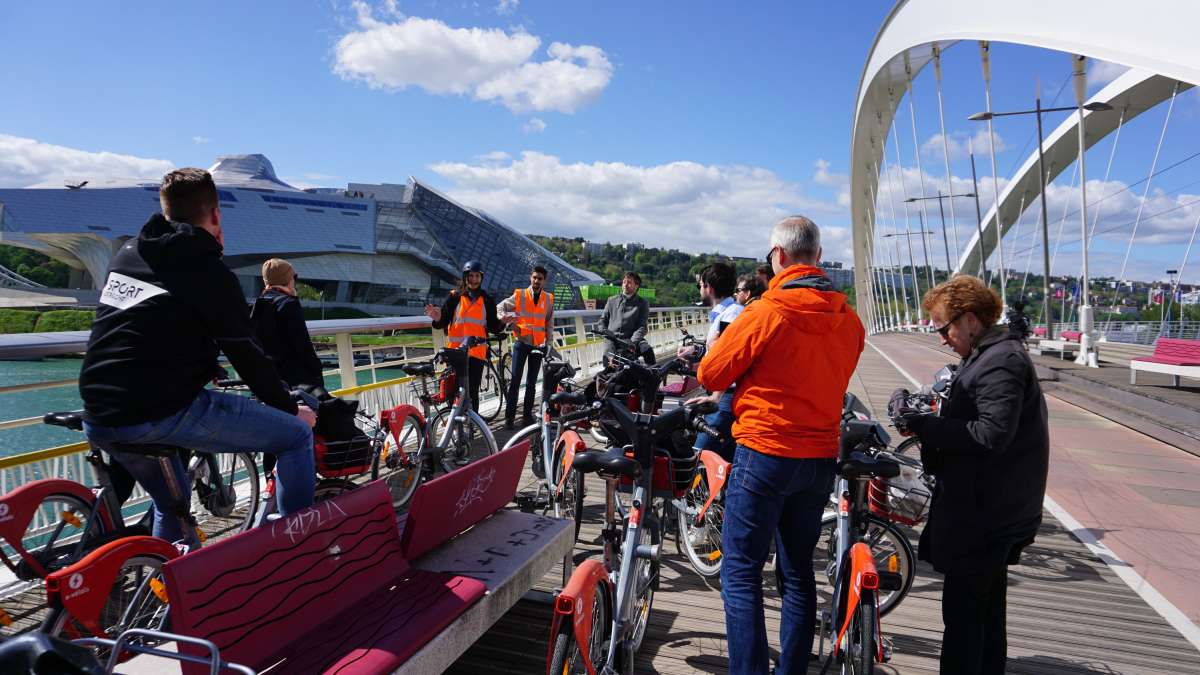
(122, 644)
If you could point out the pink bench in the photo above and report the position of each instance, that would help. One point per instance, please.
(325, 590)
(1172, 356)
(1039, 331)
(1071, 335)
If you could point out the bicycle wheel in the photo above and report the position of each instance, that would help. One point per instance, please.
(397, 460)
(133, 602)
(533, 434)
(910, 447)
(504, 369)
(646, 581)
(888, 544)
(53, 535)
(568, 503)
(469, 440)
(701, 541)
(328, 488)
(567, 658)
(491, 393)
(859, 655)
(226, 486)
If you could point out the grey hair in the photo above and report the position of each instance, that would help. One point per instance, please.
(799, 237)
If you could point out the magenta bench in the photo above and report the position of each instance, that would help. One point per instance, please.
(325, 590)
(1172, 356)
(1039, 331)
(1071, 335)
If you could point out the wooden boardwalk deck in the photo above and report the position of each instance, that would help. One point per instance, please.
(1068, 612)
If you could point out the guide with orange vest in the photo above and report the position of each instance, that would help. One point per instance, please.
(530, 311)
(468, 311)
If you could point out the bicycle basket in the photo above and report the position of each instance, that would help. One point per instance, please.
(342, 458)
(903, 499)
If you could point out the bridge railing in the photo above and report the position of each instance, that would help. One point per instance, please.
(573, 336)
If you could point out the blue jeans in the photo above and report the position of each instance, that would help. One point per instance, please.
(214, 422)
(721, 420)
(769, 496)
(521, 353)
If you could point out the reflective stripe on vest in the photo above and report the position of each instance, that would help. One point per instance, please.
(469, 319)
(531, 316)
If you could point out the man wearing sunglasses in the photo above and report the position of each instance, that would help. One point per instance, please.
(792, 354)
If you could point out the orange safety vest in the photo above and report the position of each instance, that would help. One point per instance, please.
(469, 319)
(531, 316)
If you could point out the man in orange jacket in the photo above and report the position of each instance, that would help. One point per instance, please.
(792, 354)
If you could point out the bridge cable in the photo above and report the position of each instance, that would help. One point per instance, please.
(912, 115)
(937, 73)
(907, 222)
(896, 234)
(985, 58)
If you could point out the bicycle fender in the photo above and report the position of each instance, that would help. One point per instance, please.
(716, 470)
(393, 419)
(572, 444)
(861, 563)
(574, 604)
(83, 588)
(18, 507)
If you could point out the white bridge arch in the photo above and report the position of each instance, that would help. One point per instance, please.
(1160, 52)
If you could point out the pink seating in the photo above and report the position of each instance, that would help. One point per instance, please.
(1071, 335)
(1175, 352)
(325, 590)
(1039, 331)
(679, 388)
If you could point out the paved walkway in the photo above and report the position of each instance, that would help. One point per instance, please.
(1135, 495)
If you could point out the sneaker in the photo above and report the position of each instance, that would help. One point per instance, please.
(508, 425)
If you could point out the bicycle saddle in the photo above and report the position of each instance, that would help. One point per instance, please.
(147, 449)
(42, 653)
(568, 398)
(613, 462)
(559, 369)
(861, 464)
(70, 420)
(418, 369)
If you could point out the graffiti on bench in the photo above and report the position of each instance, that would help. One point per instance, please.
(299, 524)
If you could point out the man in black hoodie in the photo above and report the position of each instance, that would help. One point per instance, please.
(168, 306)
(280, 330)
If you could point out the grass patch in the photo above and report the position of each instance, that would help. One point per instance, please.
(65, 319)
(18, 320)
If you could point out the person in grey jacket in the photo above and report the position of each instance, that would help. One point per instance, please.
(625, 314)
(989, 450)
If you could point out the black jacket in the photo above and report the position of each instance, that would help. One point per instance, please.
(279, 327)
(167, 306)
(990, 452)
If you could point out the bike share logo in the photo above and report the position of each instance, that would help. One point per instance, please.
(75, 583)
(5, 514)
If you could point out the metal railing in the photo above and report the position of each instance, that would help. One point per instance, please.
(571, 335)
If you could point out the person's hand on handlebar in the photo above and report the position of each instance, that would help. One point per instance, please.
(713, 398)
(307, 415)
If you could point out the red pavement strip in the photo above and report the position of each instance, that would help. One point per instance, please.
(1141, 496)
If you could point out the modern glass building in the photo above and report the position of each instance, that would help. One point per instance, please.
(384, 248)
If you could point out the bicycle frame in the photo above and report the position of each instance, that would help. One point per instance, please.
(854, 561)
(18, 508)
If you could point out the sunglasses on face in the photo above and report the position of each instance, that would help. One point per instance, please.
(944, 331)
(771, 253)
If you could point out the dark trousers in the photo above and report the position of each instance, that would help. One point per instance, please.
(522, 354)
(475, 369)
(974, 602)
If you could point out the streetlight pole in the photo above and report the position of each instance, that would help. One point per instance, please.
(942, 213)
(1086, 350)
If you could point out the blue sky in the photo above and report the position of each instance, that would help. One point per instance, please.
(691, 125)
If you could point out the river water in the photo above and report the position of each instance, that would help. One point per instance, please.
(24, 404)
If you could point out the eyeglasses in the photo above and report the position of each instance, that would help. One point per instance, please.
(771, 253)
(944, 331)
(743, 290)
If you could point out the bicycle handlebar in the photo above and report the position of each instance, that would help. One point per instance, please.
(228, 384)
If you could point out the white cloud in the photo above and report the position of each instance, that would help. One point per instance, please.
(507, 6)
(841, 181)
(25, 162)
(199, 140)
(488, 64)
(535, 125)
(1101, 73)
(957, 145)
(682, 204)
